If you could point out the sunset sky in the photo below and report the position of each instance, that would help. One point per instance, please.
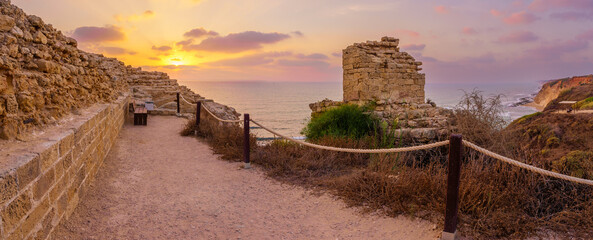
(287, 40)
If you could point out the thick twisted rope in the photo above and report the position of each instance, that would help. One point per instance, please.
(526, 166)
(352, 150)
(185, 100)
(220, 119)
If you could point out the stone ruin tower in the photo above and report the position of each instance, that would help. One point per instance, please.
(378, 71)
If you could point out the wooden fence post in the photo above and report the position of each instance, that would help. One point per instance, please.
(246, 141)
(451, 211)
(198, 112)
(178, 108)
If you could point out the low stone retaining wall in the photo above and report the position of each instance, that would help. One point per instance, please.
(41, 178)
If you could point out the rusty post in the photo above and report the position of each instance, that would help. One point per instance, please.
(178, 108)
(246, 141)
(451, 211)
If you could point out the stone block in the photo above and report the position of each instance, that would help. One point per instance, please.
(29, 170)
(8, 186)
(15, 211)
(43, 184)
(35, 217)
(65, 141)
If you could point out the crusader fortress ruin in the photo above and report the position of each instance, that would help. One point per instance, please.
(376, 73)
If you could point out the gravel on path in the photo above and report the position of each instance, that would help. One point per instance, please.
(156, 184)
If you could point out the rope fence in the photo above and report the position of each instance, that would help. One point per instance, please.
(526, 166)
(455, 143)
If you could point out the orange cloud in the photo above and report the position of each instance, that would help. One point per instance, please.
(469, 31)
(522, 17)
(441, 9)
(495, 12)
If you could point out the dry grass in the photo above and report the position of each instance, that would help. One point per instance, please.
(497, 200)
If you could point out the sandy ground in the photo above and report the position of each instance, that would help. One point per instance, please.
(156, 184)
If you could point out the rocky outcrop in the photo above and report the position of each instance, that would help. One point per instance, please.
(552, 89)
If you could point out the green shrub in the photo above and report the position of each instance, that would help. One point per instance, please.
(344, 121)
(585, 104)
(552, 142)
(576, 163)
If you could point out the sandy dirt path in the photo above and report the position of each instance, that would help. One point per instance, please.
(156, 184)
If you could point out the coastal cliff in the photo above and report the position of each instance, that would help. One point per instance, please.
(552, 89)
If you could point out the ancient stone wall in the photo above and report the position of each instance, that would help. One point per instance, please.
(61, 110)
(41, 179)
(375, 71)
(44, 76)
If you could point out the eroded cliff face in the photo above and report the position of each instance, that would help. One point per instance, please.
(552, 89)
(44, 76)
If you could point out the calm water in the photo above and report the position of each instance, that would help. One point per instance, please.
(285, 106)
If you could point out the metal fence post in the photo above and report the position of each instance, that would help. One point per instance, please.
(451, 211)
(178, 108)
(246, 141)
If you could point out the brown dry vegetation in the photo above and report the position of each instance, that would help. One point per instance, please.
(497, 200)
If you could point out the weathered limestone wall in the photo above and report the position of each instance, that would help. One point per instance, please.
(375, 71)
(61, 110)
(44, 76)
(41, 179)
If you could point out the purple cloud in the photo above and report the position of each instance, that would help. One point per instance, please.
(555, 50)
(518, 37)
(573, 16)
(317, 56)
(303, 63)
(237, 42)
(185, 42)
(199, 32)
(116, 51)
(337, 54)
(162, 48)
(586, 36)
(298, 33)
(98, 34)
(544, 5)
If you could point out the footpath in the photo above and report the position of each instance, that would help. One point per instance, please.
(156, 184)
